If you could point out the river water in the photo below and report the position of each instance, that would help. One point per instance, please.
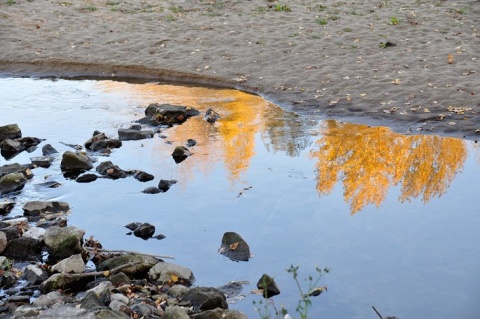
(394, 217)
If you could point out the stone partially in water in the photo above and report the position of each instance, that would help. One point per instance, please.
(234, 247)
(167, 114)
(74, 162)
(12, 182)
(125, 134)
(268, 285)
(144, 231)
(205, 298)
(6, 207)
(110, 170)
(100, 141)
(143, 176)
(211, 116)
(86, 178)
(48, 150)
(41, 208)
(11, 131)
(180, 154)
(165, 185)
(152, 190)
(42, 161)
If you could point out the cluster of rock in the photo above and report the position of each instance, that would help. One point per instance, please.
(44, 259)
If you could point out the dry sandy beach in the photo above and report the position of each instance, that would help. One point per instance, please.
(412, 65)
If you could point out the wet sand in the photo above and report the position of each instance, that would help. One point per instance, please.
(410, 65)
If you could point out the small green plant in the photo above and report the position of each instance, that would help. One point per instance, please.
(347, 30)
(461, 10)
(321, 21)
(10, 2)
(170, 18)
(266, 307)
(282, 7)
(321, 7)
(334, 18)
(393, 21)
(293, 35)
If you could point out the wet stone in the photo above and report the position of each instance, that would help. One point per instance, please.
(34, 274)
(12, 182)
(40, 208)
(6, 207)
(205, 298)
(152, 190)
(48, 150)
(86, 178)
(180, 154)
(42, 161)
(125, 134)
(268, 285)
(211, 116)
(11, 131)
(144, 231)
(143, 176)
(191, 142)
(75, 163)
(234, 247)
(167, 114)
(165, 185)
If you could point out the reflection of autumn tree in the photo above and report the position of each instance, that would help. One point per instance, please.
(368, 160)
(232, 139)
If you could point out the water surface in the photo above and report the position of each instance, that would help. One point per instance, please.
(395, 217)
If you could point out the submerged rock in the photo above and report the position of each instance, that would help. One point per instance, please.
(37, 209)
(86, 178)
(144, 230)
(152, 190)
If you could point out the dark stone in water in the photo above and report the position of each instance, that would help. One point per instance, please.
(211, 116)
(48, 149)
(75, 163)
(205, 298)
(165, 185)
(42, 161)
(191, 142)
(12, 182)
(11, 131)
(28, 141)
(180, 154)
(100, 141)
(6, 207)
(125, 134)
(144, 231)
(268, 285)
(234, 247)
(152, 190)
(86, 178)
(167, 114)
(133, 226)
(143, 176)
(110, 170)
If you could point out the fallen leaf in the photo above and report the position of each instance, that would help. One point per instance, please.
(397, 81)
(173, 278)
(233, 246)
(425, 110)
(450, 59)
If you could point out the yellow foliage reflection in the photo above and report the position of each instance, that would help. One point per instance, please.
(368, 160)
(231, 140)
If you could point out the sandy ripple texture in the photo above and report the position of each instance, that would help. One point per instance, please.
(412, 65)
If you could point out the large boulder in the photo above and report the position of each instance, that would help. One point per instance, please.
(12, 182)
(62, 242)
(71, 265)
(11, 131)
(74, 162)
(164, 272)
(167, 114)
(23, 249)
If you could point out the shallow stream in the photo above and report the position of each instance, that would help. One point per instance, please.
(394, 217)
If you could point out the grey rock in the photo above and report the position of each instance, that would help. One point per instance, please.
(42, 161)
(28, 142)
(50, 299)
(11, 131)
(120, 298)
(45, 208)
(143, 266)
(100, 141)
(178, 291)
(176, 312)
(147, 311)
(34, 274)
(3, 241)
(163, 271)
(16, 168)
(71, 265)
(12, 182)
(125, 134)
(110, 170)
(27, 311)
(48, 150)
(35, 233)
(23, 249)
(144, 230)
(62, 242)
(205, 298)
(119, 279)
(167, 114)
(74, 161)
(110, 314)
(11, 146)
(220, 314)
(92, 302)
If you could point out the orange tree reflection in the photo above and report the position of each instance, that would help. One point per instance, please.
(368, 160)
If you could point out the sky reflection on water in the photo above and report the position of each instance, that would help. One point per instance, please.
(393, 216)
